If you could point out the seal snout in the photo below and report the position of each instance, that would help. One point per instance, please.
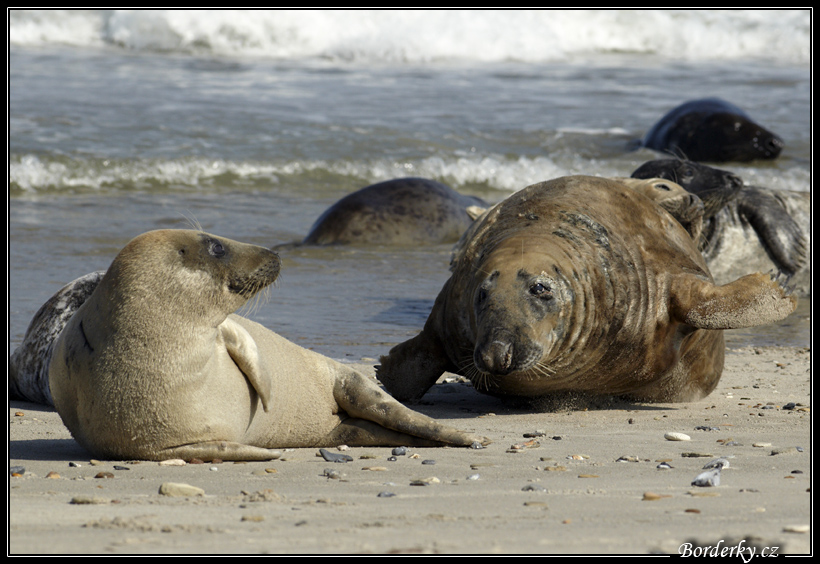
(495, 358)
(772, 145)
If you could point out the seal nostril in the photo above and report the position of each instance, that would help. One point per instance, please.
(497, 357)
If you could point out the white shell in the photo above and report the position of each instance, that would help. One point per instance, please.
(676, 437)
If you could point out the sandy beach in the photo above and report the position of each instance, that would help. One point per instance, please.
(583, 478)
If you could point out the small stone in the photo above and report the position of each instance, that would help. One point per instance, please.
(253, 518)
(334, 457)
(761, 445)
(88, 500)
(173, 489)
(797, 529)
(386, 494)
(399, 451)
(104, 475)
(17, 470)
(172, 462)
(332, 474)
(588, 476)
(429, 462)
(375, 468)
(697, 454)
(95, 462)
(74, 465)
(121, 468)
(706, 479)
(691, 510)
(555, 468)
(663, 466)
(425, 481)
(652, 496)
(785, 450)
(53, 475)
(473, 477)
(533, 488)
(674, 436)
(718, 463)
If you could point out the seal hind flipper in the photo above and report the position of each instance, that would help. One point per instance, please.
(28, 364)
(780, 235)
(754, 299)
(376, 418)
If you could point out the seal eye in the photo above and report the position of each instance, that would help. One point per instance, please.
(541, 291)
(216, 249)
(662, 186)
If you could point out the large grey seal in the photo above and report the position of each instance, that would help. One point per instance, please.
(711, 129)
(581, 284)
(746, 228)
(154, 365)
(403, 211)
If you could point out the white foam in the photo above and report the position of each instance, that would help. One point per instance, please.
(422, 35)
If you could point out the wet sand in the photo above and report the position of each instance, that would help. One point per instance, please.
(587, 482)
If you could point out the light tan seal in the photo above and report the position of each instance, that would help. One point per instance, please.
(154, 365)
(581, 284)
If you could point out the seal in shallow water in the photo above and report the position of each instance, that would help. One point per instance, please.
(711, 129)
(746, 228)
(581, 284)
(153, 365)
(403, 211)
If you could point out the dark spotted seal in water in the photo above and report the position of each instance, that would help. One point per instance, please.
(403, 211)
(713, 130)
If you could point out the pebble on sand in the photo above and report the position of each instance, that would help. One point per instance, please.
(173, 489)
(675, 436)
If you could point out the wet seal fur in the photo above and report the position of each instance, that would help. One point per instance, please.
(581, 284)
(711, 129)
(154, 365)
(403, 211)
(746, 228)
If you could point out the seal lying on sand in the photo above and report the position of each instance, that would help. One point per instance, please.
(714, 130)
(404, 211)
(153, 365)
(581, 284)
(746, 228)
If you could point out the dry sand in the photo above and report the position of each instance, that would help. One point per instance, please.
(567, 491)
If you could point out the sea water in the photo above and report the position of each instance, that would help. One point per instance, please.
(249, 124)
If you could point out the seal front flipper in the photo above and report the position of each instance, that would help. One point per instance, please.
(754, 299)
(242, 348)
(780, 235)
(411, 368)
